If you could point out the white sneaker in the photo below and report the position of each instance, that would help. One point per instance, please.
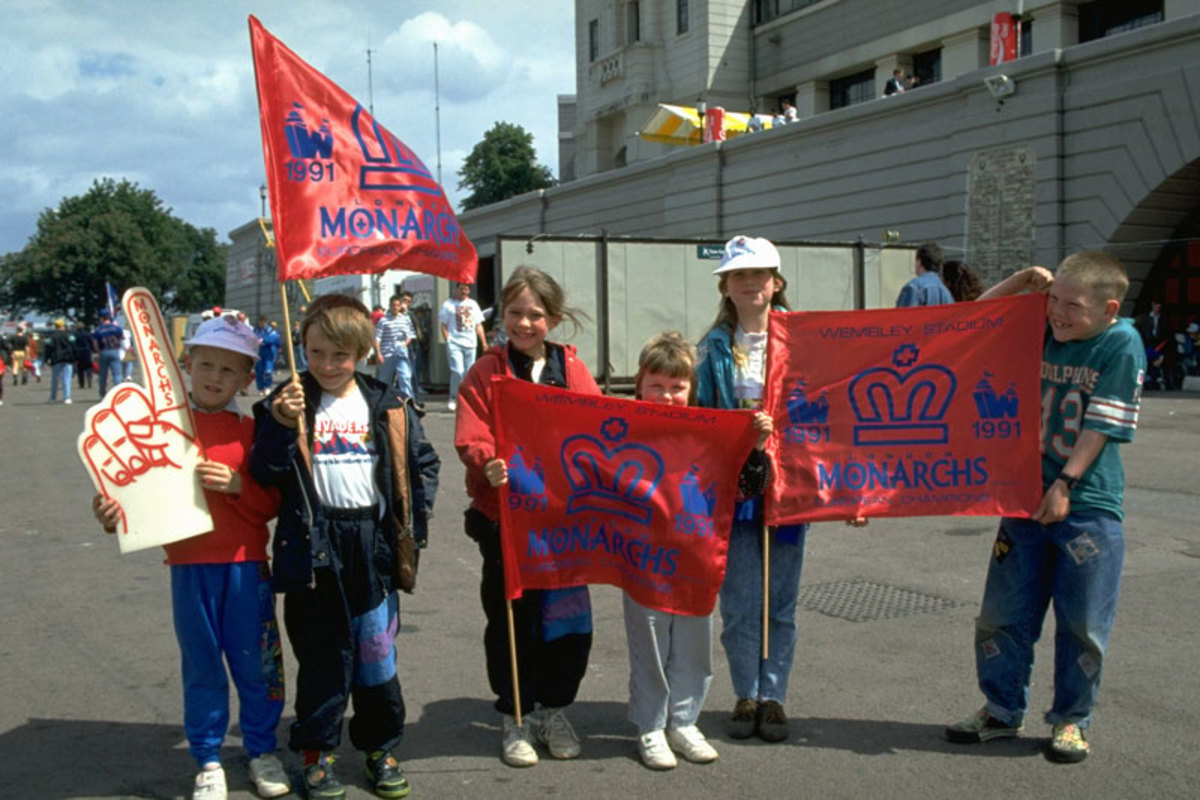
(67, 402)
(269, 777)
(452, 405)
(690, 743)
(557, 734)
(210, 783)
(518, 751)
(655, 752)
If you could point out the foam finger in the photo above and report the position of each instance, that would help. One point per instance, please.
(108, 426)
(164, 380)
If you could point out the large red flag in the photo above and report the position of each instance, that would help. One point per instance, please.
(346, 195)
(604, 490)
(906, 411)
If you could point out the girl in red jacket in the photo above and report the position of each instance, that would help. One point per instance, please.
(553, 628)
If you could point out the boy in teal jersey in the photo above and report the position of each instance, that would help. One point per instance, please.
(1072, 548)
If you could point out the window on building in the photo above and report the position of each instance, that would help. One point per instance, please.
(767, 10)
(681, 16)
(593, 40)
(1108, 17)
(1026, 44)
(633, 23)
(927, 66)
(851, 89)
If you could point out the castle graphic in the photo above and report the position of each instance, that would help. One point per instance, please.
(995, 406)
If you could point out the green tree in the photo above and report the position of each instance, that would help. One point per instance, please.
(503, 165)
(120, 233)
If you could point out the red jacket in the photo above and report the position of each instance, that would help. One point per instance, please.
(474, 437)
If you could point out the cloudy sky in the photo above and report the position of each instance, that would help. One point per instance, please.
(161, 92)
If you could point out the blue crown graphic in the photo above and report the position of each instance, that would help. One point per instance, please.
(802, 412)
(995, 406)
(696, 502)
(388, 159)
(523, 479)
(894, 407)
(617, 479)
(304, 143)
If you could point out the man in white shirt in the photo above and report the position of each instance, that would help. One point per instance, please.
(461, 319)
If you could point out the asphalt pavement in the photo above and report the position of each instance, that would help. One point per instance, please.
(89, 674)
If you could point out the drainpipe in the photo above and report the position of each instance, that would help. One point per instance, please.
(860, 274)
(602, 326)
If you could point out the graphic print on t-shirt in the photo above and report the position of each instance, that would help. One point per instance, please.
(344, 453)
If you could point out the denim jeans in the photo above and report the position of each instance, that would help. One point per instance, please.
(754, 677)
(1077, 564)
(61, 374)
(110, 362)
(461, 358)
(395, 371)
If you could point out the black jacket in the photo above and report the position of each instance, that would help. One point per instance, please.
(406, 474)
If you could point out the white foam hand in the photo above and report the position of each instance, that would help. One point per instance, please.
(139, 443)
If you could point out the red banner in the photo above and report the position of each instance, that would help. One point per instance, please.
(347, 196)
(603, 490)
(1004, 38)
(906, 412)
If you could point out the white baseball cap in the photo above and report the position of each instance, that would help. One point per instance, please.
(748, 252)
(226, 333)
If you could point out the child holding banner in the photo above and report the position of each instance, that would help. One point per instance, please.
(731, 374)
(553, 628)
(670, 655)
(221, 596)
(1071, 551)
(358, 479)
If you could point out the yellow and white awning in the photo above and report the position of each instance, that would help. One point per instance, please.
(682, 125)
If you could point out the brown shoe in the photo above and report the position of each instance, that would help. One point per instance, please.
(772, 722)
(744, 721)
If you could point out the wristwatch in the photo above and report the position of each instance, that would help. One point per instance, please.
(1069, 481)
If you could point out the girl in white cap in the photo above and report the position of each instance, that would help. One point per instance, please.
(731, 374)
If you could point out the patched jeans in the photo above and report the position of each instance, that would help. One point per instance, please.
(1076, 564)
(754, 677)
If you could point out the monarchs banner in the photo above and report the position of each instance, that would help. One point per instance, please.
(604, 490)
(347, 196)
(906, 412)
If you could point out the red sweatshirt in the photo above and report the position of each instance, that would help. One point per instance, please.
(239, 521)
(473, 435)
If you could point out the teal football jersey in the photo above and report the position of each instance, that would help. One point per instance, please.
(1095, 384)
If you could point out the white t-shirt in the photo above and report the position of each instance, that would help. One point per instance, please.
(460, 318)
(749, 367)
(344, 454)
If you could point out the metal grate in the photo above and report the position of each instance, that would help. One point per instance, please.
(862, 600)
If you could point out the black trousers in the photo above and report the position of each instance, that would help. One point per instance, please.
(323, 623)
(550, 672)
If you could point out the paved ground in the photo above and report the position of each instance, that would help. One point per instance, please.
(91, 700)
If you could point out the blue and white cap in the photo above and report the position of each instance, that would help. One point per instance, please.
(226, 333)
(748, 252)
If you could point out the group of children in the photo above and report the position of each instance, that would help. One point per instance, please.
(345, 465)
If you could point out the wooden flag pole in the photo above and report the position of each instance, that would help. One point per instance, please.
(291, 356)
(766, 614)
(512, 655)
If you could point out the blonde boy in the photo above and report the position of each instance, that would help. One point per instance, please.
(1070, 552)
(220, 583)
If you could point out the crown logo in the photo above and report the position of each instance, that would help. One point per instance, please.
(995, 406)
(609, 477)
(390, 164)
(304, 143)
(526, 479)
(695, 502)
(902, 406)
(802, 412)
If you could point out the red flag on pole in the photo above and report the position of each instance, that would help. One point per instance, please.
(347, 197)
(906, 412)
(604, 490)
